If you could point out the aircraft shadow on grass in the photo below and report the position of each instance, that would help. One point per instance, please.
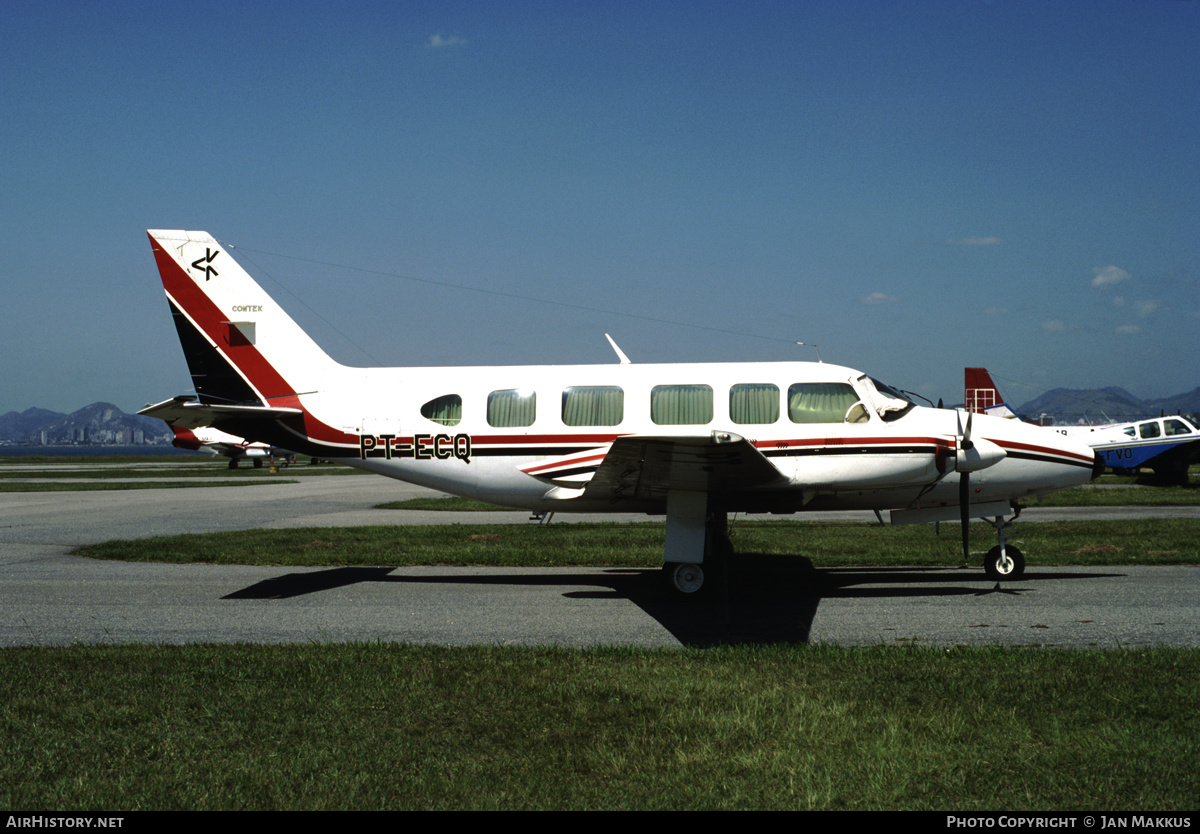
(766, 598)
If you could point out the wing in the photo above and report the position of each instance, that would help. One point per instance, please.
(647, 467)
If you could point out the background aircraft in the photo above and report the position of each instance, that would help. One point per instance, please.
(691, 441)
(1165, 445)
(201, 438)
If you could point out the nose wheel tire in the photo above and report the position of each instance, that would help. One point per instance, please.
(1011, 566)
(684, 577)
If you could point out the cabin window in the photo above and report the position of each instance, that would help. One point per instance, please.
(445, 411)
(820, 402)
(593, 405)
(1149, 430)
(514, 408)
(754, 403)
(681, 405)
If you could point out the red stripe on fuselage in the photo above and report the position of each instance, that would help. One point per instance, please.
(1008, 445)
(571, 463)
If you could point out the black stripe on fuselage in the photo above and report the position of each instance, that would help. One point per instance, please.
(1050, 459)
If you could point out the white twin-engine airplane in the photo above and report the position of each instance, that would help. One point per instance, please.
(691, 441)
(206, 438)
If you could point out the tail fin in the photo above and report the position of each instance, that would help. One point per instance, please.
(241, 347)
(982, 396)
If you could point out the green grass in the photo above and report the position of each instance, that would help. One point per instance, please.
(373, 726)
(104, 486)
(1144, 542)
(450, 503)
(1122, 496)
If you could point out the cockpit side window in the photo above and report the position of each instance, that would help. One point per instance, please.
(1175, 427)
(820, 402)
(858, 414)
(1149, 429)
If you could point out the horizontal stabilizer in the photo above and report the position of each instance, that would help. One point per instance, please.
(186, 413)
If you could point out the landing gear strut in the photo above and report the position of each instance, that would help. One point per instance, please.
(1004, 561)
(696, 535)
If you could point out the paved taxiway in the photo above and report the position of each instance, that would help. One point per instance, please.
(49, 597)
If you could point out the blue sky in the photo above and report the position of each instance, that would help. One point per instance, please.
(912, 186)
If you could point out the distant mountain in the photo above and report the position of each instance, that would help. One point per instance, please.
(1188, 403)
(17, 425)
(98, 424)
(1070, 406)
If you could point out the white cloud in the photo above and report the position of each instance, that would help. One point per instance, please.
(1127, 329)
(1118, 301)
(1145, 308)
(995, 311)
(437, 41)
(879, 298)
(975, 241)
(1053, 326)
(1107, 275)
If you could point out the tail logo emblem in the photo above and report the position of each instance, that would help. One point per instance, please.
(206, 263)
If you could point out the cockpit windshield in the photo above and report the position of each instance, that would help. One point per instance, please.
(888, 402)
(884, 388)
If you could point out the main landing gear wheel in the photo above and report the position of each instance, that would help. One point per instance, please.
(1012, 566)
(684, 577)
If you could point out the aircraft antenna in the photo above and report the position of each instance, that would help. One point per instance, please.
(814, 347)
(620, 353)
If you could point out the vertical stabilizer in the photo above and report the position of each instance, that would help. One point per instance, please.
(241, 347)
(981, 396)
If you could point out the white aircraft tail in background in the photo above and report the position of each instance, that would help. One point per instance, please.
(691, 441)
(200, 438)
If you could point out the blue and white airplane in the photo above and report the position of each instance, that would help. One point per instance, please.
(1166, 445)
(693, 442)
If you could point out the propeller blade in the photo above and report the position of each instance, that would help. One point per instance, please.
(964, 509)
(964, 490)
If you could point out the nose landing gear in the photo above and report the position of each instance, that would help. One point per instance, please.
(1004, 561)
